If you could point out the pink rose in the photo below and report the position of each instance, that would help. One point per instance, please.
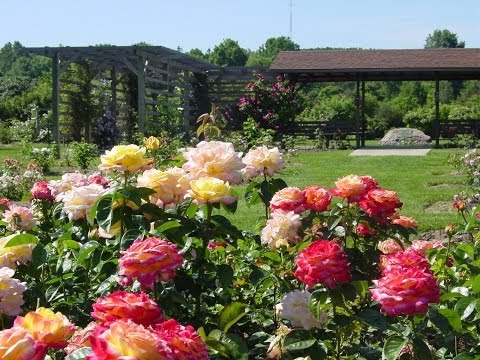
(288, 199)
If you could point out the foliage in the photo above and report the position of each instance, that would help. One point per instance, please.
(105, 129)
(443, 38)
(84, 153)
(82, 104)
(206, 125)
(385, 118)
(267, 52)
(43, 157)
(271, 106)
(15, 180)
(228, 53)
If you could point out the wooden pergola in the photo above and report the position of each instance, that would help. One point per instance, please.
(159, 71)
(379, 65)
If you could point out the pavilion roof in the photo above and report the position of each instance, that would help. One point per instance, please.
(345, 65)
(109, 56)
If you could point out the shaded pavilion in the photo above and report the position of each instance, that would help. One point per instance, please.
(379, 65)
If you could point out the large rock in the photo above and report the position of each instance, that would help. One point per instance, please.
(405, 136)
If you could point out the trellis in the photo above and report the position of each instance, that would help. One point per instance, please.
(162, 75)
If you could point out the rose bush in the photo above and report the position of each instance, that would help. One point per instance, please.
(148, 265)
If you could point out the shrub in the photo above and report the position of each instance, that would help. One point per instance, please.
(84, 153)
(6, 134)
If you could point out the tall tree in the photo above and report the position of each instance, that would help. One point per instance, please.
(267, 52)
(228, 53)
(443, 39)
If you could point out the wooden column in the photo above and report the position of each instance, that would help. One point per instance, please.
(55, 101)
(186, 101)
(357, 114)
(364, 121)
(113, 89)
(436, 127)
(141, 94)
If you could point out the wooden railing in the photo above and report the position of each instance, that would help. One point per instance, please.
(451, 128)
(311, 128)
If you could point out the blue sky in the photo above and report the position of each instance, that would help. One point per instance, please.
(389, 24)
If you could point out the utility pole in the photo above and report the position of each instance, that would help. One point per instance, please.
(291, 19)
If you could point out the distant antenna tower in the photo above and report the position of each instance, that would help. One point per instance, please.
(291, 18)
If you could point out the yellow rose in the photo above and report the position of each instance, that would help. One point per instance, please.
(53, 329)
(152, 143)
(12, 255)
(210, 190)
(125, 158)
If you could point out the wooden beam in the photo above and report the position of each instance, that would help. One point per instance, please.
(436, 126)
(113, 90)
(130, 65)
(357, 114)
(55, 101)
(186, 101)
(364, 121)
(141, 94)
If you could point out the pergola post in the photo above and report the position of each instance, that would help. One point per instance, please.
(55, 101)
(113, 89)
(364, 122)
(357, 114)
(436, 128)
(141, 94)
(186, 101)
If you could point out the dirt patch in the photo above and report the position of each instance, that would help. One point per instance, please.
(440, 235)
(439, 186)
(440, 206)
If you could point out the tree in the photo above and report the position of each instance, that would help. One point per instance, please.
(267, 52)
(8, 54)
(197, 53)
(443, 39)
(228, 53)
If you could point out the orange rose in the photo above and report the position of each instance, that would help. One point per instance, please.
(316, 198)
(17, 344)
(351, 187)
(53, 329)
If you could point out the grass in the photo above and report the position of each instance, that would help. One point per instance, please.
(425, 184)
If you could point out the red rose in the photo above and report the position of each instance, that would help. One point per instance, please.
(139, 308)
(380, 203)
(322, 262)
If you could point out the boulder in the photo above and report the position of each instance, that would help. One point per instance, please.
(405, 136)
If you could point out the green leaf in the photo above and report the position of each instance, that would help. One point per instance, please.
(129, 237)
(168, 225)
(476, 284)
(393, 347)
(86, 251)
(464, 356)
(465, 307)
(103, 212)
(231, 314)
(298, 340)
(79, 354)
(225, 275)
(421, 349)
(452, 317)
(217, 345)
(372, 318)
(236, 346)
(39, 256)
(317, 301)
(467, 249)
(21, 239)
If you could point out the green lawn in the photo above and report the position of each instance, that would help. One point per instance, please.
(420, 181)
